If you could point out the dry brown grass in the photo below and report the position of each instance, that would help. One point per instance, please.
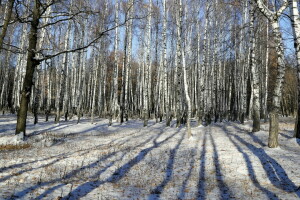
(14, 147)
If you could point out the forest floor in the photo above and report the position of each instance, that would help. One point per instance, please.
(128, 161)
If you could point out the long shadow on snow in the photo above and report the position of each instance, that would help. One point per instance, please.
(22, 193)
(201, 182)
(100, 129)
(76, 171)
(19, 165)
(223, 187)
(6, 119)
(287, 136)
(156, 192)
(62, 156)
(191, 166)
(30, 127)
(275, 172)
(250, 168)
(56, 127)
(84, 189)
(104, 128)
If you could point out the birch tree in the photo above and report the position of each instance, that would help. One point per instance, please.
(178, 64)
(114, 92)
(165, 67)
(38, 70)
(202, 73)
(147, 71)
(185, 83)
(294, 13)
(255, 74)
(30, 67)
(206, 60)
(126, 60)
(4, 89)
(37, 10)
(273, 17)
(7, 17)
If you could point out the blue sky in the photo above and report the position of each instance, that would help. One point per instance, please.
(287, 34)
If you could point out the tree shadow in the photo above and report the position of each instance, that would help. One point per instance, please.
(72, 173)
(65, 156)
(156, 192)
(191, 166)
(275, 172)
(287, 136)
(87, 187)
(250, 168)
(255, 139)
(223, 187)
(90, 166)
(201, 182)
(62, 156)
(50, 129)
(5, 119)
(19, 165)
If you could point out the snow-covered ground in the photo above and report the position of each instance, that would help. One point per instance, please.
(94, 161)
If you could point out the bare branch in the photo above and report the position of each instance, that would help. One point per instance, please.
(265, 10)
(282, 8)
(82, 47)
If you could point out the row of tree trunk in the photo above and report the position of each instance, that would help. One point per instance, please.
(168, 59)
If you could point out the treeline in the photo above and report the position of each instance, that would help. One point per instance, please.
(165, 59)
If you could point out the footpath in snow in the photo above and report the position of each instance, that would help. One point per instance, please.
(129, 161)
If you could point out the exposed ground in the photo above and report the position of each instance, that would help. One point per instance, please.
(94, 161)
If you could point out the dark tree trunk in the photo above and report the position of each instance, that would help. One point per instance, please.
(297, 124)
(122, 114)
(168, 118)
(274, 127)
(66, 115)
(9, 8)
(30, 67)
(47, 115)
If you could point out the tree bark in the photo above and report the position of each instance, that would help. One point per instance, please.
(273, 17)
(255, 74)
(147, 83)
(296, 31)
(7, 17)
(165, 67)
(178, 63)
(30, 67)
(114, 92)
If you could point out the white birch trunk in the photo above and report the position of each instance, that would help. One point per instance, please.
(94, 86)
(3, 89)
(165, 67)
(178, 64)
(266, 75)
(185, 83)
(203, 74)
(255, 74)
(128, 62)
(114, 93)
(147, 83)
(296, 31)
(20, 68)
(273, 17)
